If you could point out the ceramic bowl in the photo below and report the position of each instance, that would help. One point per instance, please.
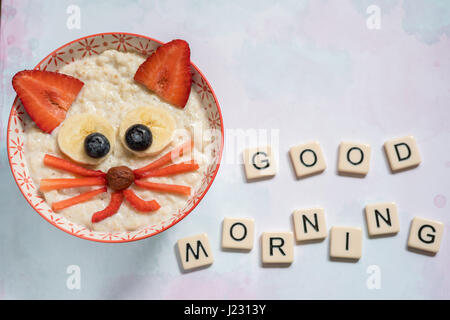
(19, 121)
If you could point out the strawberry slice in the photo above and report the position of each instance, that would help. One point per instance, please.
(140, 204)
(167, 72)
(46, 96)
(111, 209)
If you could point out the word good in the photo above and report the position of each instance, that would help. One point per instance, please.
(346, 243)
(353, 158)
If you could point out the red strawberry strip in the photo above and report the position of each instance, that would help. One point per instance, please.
(140, 204)
(162, 187)
(167, 158)
(58, 206)
(55, 184)
(172, 169)
(62, 164)
(111, 209)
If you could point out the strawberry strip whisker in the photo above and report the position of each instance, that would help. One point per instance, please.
(62, 164)
(140, 204)
(162, 187)
(56, 184)
(166, 159)
(111, 209)
(172, 169)
(59, 205)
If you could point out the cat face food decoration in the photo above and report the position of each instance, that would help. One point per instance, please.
(114, 143)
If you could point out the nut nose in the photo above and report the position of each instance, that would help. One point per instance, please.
(119, 178)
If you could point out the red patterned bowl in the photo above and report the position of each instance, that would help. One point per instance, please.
(18, 120)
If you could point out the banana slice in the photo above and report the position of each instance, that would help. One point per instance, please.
(74, 131)
(159, 121)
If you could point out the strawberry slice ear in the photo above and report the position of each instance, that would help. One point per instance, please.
(167, 72)
(46, 95)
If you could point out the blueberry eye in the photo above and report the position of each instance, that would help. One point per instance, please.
(96, 145)
(138, 137)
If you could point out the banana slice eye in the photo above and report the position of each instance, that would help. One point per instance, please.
(135, 137)
(86, 138)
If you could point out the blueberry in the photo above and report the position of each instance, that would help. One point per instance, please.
(96, 145)
(138, 137)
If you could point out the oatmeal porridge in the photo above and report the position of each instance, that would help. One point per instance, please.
(110, 93)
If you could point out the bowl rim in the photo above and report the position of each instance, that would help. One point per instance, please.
(123, 240)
